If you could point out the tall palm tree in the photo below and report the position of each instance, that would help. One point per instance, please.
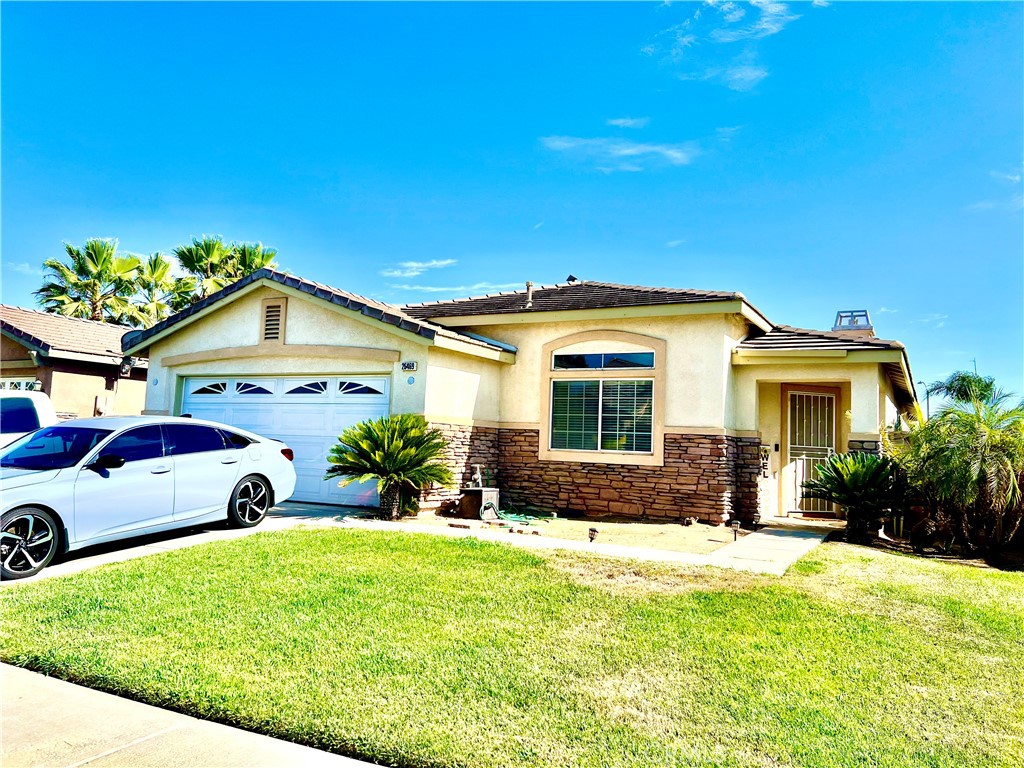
(208, 259)
(964, 386)
(159, 292)
(96, 284)
(401, 452)
(250, 257)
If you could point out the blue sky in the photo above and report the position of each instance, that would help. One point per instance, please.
(815, 157)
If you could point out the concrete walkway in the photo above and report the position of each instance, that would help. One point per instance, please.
(49, 723)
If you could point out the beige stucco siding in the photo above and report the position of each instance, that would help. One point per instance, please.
(860, 410)
(462, 390)
(308, 323)
(695, 367)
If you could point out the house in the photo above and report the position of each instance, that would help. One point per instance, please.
(78, 363)
(584, 396)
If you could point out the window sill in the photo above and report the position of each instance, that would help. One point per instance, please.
(655, 459)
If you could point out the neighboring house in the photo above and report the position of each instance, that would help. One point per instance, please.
(585, 396)
(78, 363)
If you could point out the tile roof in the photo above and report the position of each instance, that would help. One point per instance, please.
(64, 337)
(385, 313)
(783, 337)
(582, 294)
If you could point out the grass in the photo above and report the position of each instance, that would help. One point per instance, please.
(424, 651)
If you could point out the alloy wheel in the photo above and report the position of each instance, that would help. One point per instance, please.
(27, 542)
(252, 501)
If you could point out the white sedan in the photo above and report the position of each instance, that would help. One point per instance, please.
(90, 481)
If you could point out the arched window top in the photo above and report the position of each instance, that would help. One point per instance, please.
(249, 388)
(308, 388)
(355, 388)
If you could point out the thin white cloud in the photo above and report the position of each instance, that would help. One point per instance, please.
(24, 268)
(538, 225)
(703, 44)
(773, 19)
(476, 287)
(416, 268)
(887, 311)
(674, 243)
(743, 78)
(726, 133)
(629, 122)
(936, 320)
(611, 154)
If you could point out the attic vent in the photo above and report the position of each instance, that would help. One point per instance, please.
(273, 320)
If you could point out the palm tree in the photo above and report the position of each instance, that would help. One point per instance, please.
(867, 486)
(963, 386)
(208, 260)
(967, 462)
(97, 284)
(250, 257)
(400, 452)
(159, 292)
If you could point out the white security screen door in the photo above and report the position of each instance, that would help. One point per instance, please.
(308, 413)
(812, 439)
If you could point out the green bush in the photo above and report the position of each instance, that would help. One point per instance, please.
(867, 486)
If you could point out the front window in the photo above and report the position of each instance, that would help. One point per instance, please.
(602, 415)
(51, 448)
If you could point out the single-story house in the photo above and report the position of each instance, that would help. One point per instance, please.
(583, 396)
(78, 363)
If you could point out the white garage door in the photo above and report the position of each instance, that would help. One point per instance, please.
(308, 413)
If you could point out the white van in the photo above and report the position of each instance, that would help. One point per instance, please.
(24, 412)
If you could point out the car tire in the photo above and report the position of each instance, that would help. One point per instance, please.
(250, 502)
(29, 538)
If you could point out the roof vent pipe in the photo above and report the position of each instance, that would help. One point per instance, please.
(529, 294)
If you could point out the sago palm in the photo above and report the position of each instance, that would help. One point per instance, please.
(865, 485)
(159, 292)
(400, 452)
(96, 284)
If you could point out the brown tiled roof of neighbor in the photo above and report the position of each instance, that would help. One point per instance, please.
(64, 337)
(385, 313)
(583, 294)
(783, 337)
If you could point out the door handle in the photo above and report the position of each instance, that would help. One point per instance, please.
(160, 471)
(229, 461)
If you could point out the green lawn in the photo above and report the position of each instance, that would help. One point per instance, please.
(425, 651)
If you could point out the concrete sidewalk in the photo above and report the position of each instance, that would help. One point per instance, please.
(48, 723)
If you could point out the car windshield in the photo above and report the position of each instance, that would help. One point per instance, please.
(51, 448)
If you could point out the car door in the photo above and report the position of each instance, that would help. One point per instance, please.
(136, 495)
(205, 469)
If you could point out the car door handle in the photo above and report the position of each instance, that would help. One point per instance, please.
(229, 461)
(160, 471)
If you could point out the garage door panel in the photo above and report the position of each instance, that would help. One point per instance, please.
(309, 423)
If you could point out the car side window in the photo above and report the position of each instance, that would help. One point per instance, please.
(18, 414)
(192, 438)
(234, 440)
(136, 444)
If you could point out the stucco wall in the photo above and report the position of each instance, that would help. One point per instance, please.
(461, 389)
(695, 366)
(307, 323)
(859, 411)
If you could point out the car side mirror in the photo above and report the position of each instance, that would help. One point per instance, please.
(108, 461)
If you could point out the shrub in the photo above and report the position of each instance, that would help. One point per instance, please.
(868, 487)
(401, 453)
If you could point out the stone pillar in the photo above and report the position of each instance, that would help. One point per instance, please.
(466, 446)
(864, 446)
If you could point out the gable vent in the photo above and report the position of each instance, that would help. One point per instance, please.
(273, 321)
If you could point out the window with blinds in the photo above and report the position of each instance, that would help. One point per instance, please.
(605, 415)
(273, 320)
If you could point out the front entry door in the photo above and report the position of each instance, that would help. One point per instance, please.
(812, 439)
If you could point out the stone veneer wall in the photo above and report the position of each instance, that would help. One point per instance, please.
(466, 446)
(865, 446)
(706, 476)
